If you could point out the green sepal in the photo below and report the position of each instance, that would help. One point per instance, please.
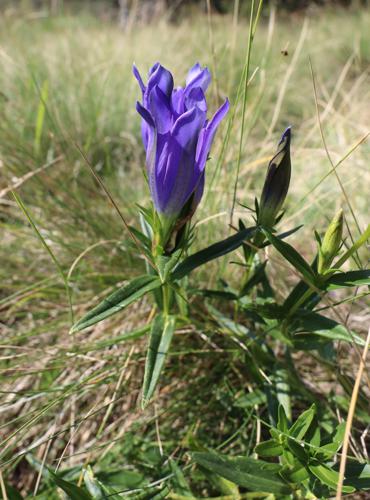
(331, 243)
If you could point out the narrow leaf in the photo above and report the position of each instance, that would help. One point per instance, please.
(357, 244)
(216, 294)
(118, 300)
(358, 475)
(212, 252)
(73, 491)
(302, 424)
(328, 476)
(255, 475)
(230, 326)
(351, 278)
(314, 323)
(292, 256)
(296, 474)
(180, 484)
(270, 448)
(159, 343)
(146, 242)
(40, 116)
(150, 493)
(282, 423)
(286, 234)
(298, 451)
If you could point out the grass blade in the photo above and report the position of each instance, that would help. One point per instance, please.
(48, 249)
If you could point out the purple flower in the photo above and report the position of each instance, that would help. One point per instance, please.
(177, 137)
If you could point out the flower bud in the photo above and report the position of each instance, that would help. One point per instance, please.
(331, 243)
(276, 184)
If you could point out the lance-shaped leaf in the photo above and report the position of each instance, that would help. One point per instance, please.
(97, 489)
(73, 491)
(357, 244)
(269, 448)
(292, 256)
(284, 235)
(314, 323)
(302, 424)
(328, 476)
(149, 493)
(351, 278)
(296, 474)
(118, 300)
(212, 252)
(255, 475)
(357, 475)
(161, 335)
(178, 480)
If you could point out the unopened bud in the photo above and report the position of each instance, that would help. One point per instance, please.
(331, 242)
(276, 184)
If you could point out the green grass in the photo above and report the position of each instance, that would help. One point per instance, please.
(66, 81)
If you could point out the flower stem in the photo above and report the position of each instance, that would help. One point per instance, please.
(300, 301)
(166, 300)
(252, 250)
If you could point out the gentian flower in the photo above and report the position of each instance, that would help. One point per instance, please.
(177, 138)
(276, 183)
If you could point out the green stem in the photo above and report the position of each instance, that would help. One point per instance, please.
(166, 300)
(253, 21)
(300, 301)
(294, 308)
(253, 249)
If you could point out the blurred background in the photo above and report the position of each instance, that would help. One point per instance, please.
(173, 10)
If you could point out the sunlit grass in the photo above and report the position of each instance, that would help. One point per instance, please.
(68, 81)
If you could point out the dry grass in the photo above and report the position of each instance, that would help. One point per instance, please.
(72, 400)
